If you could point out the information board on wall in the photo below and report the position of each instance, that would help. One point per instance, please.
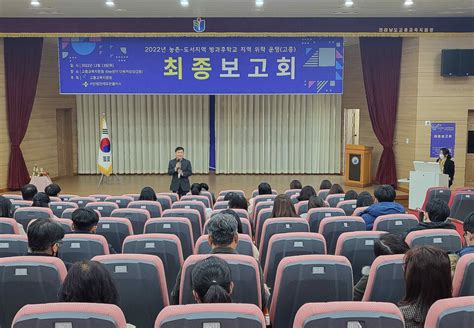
(201, 65)
(443, 135)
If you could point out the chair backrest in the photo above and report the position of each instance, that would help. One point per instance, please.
(78, 247)
(59, 207)
(463, 281)
(446, 239)
(28, 280)
(334, 199)
(25, 215)
(323, 193)
(154, 208)
(359, 210)
(104, 208)
(180, 227)
(69, 315)
(134, 196)
(81, 201)
(316, 215)
(67, 197)
(9, 226)
(246, 226)
(13, 245)
(290, 244)
(192, 215)
(291, 192)
(398, 224)
(121, 201)
(358, 248)
(245, 273)
(137, 217)
(172, 196)
(140, 279)
(165, 200)
(20, 203)
(244, 246)
(434, 193)
(12, 196)
(262, 216)
(451, 312)
(115, 230)
(294, 199)
(261, 206)
(255, 193)
(166, 246)
(301, 207)
(192, 205)
(276, 226)
(67, 213)
(197, 198)
(66, 224)
(299, 277)
(461, 204)
(349, 314)
(54, 199)
(259, 199)
(225, 192)
(221, 205)
(209, 196)
(210, 315)
(386, 280)
(101, 197)
(348, 206)
(332, 227)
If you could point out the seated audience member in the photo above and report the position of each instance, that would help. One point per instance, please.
(283, 208)
(306, 193)
(196, 189)
(351, 195)
(211, 281)
(296, 184)
(385, 196)
(427, 280)
(85, 220)
(264, 188)
(28, 191)
(205, 186)
(148, 193)
(237, 201)
(325, 185)
(364, 199)
(41, 200)
(335, 189)
(255, 251)
(388, 244)
(468, 248)
(52, 190)
(6, 208)
(314, 202)
(437, 213)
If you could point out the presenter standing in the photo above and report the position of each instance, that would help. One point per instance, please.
(446, 164)
(180, 169)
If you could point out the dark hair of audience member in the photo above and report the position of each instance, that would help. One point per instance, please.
(88, 282)
(427, 278)
(204, 186)
(41, 200)
(6, 207)
(196, 189)
(364, 199)
(351, 195)
(28, 191)
(148, 193)
(469, 223)
(315, 202)
(325, 185)
(264, 189)
(236, 217)
(283, 207)
(335, 189)
(438, 210)
(43, 234)
(296, 184)
(222, 229)
(385, 193)
(389, 244)
(306, 193)
(52, 190)
(229, 196)
(211, 281)
(84, 219)
(238, 201)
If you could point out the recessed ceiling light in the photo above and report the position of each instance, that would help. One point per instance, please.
(259, 3)
(35, 3)
(408, 3)
(110, 3)
(349, 3)
(184, 3)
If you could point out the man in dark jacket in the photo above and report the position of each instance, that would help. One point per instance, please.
(180, 169)
(437, 212)
(385, 196)
(85, 220)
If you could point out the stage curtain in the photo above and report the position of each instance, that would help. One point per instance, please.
(278, 134)
(22, 66)
(144, 131)
(381, 58)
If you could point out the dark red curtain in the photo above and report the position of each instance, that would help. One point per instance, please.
(381, 59)
(22, 66)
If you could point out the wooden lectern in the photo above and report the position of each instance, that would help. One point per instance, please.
(358, 166)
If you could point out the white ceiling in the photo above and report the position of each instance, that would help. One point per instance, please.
(237, 8)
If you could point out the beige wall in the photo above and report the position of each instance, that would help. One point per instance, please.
(40, 143)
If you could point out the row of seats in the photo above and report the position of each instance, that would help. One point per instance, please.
(140, 279)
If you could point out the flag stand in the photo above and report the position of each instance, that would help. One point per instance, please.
(105, 179)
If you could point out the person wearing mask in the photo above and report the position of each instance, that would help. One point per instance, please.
(283, 208)
(85, 220)
(385, 196)
(364, 199)
(237, 201)
(180, 169)
(335, 189)
(52, 190)
(306, 193)
(325, 185)
(41, 200)
(436, 216)
(295, 184)
(148, 193)
(387, 244)
(28, 191)
(446, 164)
(211, 281)
(468, 236)
(427, 280)
(351, 195)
